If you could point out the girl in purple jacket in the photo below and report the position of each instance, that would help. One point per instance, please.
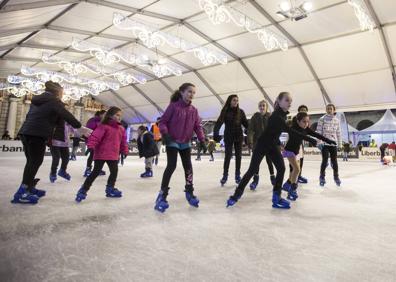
(177, 125)
(107, 141)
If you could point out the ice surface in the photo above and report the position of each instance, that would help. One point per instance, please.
(330, 234)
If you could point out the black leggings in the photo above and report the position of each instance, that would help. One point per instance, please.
(326, 151)
(57, 154)
(185, 156)
(270, 166)
(34, 148)
(90, 158)
(228, 154)
(98, 166)
(258, 154)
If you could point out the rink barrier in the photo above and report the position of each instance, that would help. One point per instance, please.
(14, 148)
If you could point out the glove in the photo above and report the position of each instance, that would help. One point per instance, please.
(202, 144)
(124, 156)
(331, 142)
(313, 142)
(166, 139)
(88, 151)
(217, 138)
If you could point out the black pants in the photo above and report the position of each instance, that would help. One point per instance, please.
(90, 157)
(228, 154)
(270, 166)
(382, 154)
(57, 154)
(185, 156)
(98, 166)
(326, 151)
(258, 154)
(34, 148)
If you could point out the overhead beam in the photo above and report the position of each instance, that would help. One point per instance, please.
(262, 11)
(383, 40)
(206, 83)
(234, 56)
(161, 111)
(36, 5)
(64, 11)
(133, 10)
(20, 30)
(3, 3)
(138, 114)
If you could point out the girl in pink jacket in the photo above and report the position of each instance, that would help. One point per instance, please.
(177, 125)
(107, 141)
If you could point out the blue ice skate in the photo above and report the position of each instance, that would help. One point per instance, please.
(254, 184)
(62, 173)
(23, 196)
(112, 192)
(279, 203)
(160, 203)
(81, 195)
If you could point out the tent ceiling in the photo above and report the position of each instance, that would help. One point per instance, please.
(329, 58)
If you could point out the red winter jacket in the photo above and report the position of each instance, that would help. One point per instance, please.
(108, 141)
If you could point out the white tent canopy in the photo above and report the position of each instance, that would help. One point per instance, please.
(387, 124)
(329, 58)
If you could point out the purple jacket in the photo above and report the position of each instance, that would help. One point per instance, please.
(93, 122)
(180, 120)
(108, 141)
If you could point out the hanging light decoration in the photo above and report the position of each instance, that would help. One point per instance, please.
(76, 68)
(363, 14)
(16, 90)
(159, 67)
(37, 86)
(219, 13)
(45, 75)
(153, 38)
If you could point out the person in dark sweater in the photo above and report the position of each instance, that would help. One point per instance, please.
(233, 118)
(293, 148)
(148, 149)
(268, 143)
(346, 148)
(40, 122)
(301, 179)
(257, 125)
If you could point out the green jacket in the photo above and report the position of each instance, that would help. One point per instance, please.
(257, 125)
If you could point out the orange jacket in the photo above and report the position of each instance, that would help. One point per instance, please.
(156, 132)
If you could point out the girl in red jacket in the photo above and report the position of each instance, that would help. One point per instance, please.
(107, 141)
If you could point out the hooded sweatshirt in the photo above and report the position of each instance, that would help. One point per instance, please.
(46, 109)
(108, 141)
(180, 121)
(93, 122)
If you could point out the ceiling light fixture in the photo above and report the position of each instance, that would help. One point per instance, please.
(290, 10)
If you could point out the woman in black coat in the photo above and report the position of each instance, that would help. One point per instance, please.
(45, 111)
(147, 149)
(233, 118)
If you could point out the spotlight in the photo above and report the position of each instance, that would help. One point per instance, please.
(307, 6)
(290, 10)
(285, 6)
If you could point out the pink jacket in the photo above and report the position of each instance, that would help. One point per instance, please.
(108, 141)
(180, 120)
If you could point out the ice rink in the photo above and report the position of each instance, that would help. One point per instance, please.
(330, 234)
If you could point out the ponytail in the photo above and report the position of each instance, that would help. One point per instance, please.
(176, 96)
(280, 97)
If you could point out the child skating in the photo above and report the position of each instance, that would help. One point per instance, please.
(177, 125)
(147, 149)
(107, 141)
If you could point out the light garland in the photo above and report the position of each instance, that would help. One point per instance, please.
(37, 86)
(45, 75)
(361, 11)
(76, 68)
(159, 68)
(16, 90)
(153, 38)
(219, 13)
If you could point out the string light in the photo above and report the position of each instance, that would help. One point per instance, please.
(361, 11)
(153, 38)
(219, 14)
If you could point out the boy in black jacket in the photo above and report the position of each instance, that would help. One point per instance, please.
(147, 149)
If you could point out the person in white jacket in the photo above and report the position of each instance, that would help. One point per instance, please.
(329, 126)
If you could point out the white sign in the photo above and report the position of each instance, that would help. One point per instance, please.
(11, 148)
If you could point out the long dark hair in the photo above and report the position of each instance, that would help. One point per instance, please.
(227, 106)
(176, 96)
(109, 114)
(280, 97)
